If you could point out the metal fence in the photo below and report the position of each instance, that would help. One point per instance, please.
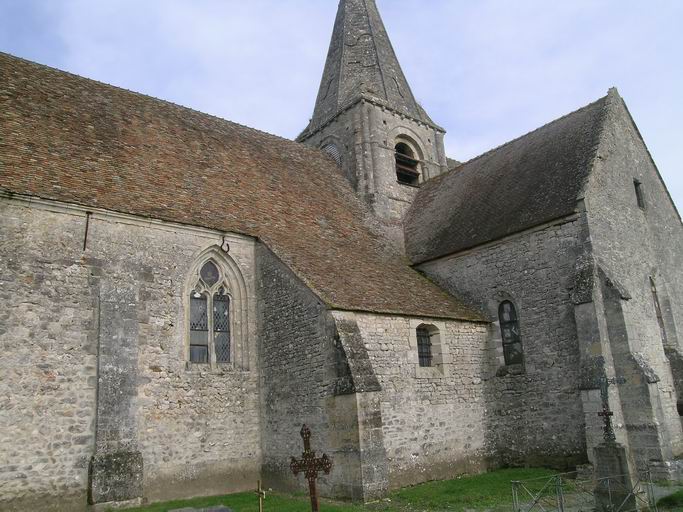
(568, 492)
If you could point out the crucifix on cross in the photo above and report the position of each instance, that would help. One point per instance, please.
(310, 466)
(606, 412)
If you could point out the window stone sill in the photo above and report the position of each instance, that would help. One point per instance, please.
(513, 369)
(212, 369)
(430, 372)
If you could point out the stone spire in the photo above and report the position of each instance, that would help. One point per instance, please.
(361, 63)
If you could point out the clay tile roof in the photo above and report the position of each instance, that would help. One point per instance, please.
(66, 138)
(527, 182)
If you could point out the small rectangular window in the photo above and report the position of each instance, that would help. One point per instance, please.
(640, 197)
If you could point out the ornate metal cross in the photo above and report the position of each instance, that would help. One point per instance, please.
(310, 466)
(261, 496)
(606, 413)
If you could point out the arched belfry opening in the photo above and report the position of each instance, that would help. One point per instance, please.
(407, 165)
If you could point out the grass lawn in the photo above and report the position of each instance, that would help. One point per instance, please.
(672, 502)
(481, 492)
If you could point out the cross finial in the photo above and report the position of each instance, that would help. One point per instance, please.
(606, 413)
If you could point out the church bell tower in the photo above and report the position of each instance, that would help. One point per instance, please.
(368, 120)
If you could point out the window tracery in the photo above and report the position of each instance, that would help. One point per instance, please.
(210, 333)
(217, 312)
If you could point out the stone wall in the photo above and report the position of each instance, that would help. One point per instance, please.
(534, 411)
(632, 245)
(431, 417)
(306, 379)
(48, 373)
(196, 428)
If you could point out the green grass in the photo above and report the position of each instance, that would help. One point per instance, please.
(475, 492)
(672, 502)
(480, 492)
(247, 502)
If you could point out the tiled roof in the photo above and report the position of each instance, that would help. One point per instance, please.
(66, 138)
(527, 182)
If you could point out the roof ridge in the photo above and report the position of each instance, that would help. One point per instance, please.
(538, 175)
(156, 99)
(549, 123)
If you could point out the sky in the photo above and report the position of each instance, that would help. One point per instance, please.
(486, 70)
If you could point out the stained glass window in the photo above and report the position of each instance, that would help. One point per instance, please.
(210, 274)
(424, 347)
(199, 329)
(221, 326)
(210, 317)
(509, 329)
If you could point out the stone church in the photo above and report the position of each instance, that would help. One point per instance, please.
(181, 293)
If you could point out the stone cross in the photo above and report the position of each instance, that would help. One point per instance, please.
(261, 496)
(606, 413)
(310, 466)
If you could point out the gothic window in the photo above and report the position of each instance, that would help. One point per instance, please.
(509, 329)
(210, 317)
(424, 346)
(658, 310)
(640, 197)
(407, 172)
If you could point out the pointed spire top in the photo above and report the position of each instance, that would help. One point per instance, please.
(361, 63)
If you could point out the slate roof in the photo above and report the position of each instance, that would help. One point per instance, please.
(361, 63)
(66, 138)
(529, 181)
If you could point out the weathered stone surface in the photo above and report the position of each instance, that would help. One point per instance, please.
(96, 390)
(534, 414)
(115, 477)
(123, 298)
(633, 245)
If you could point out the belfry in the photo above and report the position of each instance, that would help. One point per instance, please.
(367, 118)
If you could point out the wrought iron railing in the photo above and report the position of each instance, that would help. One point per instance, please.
(567, 492)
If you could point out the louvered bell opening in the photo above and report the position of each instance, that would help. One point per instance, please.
(406, 166)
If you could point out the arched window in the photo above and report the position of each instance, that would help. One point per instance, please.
(210, 333)
(424, 346)
(509, 329)
(407, 172)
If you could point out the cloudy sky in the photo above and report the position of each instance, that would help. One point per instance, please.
(486, 70)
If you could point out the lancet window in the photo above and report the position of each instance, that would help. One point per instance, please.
(509, 329)
(210, 317)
